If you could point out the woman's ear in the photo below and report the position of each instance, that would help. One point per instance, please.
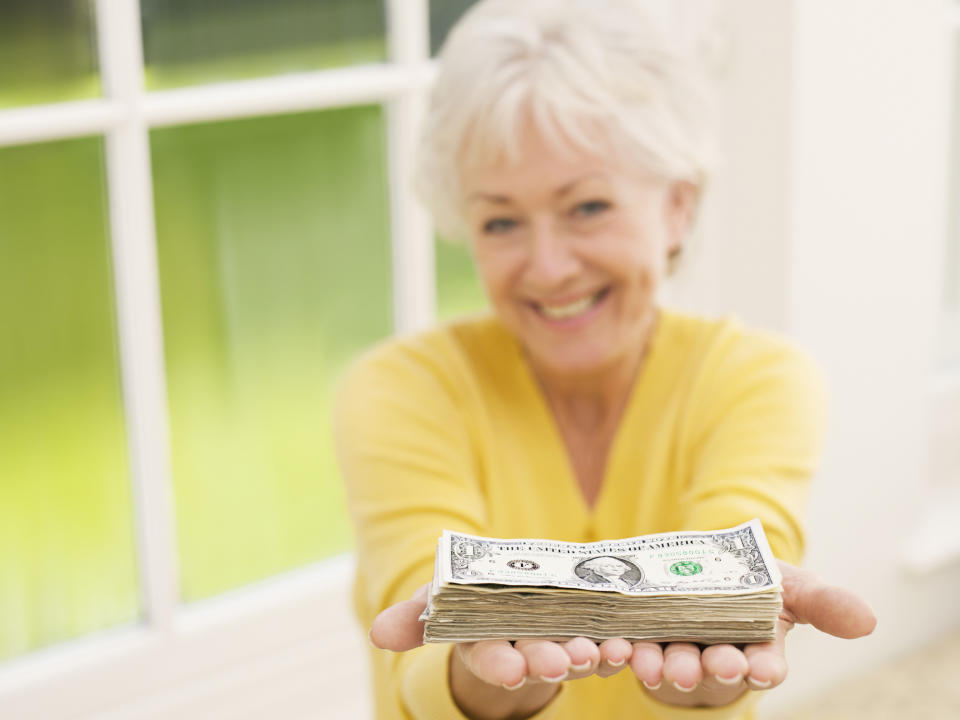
(680, 210)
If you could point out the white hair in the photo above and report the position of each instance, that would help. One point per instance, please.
(595, 76)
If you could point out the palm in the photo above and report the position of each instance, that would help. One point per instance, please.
(677, 673)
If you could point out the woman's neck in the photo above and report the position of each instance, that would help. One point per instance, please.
(595, 401)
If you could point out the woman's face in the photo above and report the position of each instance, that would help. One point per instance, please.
(571, 250)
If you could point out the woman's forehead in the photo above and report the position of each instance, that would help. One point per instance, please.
(554, 168)
(551, 179)
(550, 176)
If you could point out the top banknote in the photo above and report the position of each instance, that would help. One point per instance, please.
(736, 561)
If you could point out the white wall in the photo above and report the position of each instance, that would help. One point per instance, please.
(831, 228)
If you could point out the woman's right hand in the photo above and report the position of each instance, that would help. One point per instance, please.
(496, 678)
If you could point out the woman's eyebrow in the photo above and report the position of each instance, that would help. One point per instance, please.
(560, 192)
(489, 197)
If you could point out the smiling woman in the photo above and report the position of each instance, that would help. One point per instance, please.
(568, 143)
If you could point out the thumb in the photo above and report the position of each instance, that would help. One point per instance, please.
(829, 608)
(399, 627)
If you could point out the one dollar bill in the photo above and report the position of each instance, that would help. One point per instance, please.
(722, 562)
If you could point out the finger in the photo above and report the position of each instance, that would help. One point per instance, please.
(399, 627)
(584, 656)
(494, 661)
(682, 666)
(829, 608)
(647, 663)
(546, 661)
(614, 654)
(724, 665)
(767, 661)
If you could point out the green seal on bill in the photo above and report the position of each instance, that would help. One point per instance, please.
(686, 567)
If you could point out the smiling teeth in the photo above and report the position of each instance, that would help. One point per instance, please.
(563, 312)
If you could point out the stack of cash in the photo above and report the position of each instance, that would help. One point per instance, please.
(704, 587)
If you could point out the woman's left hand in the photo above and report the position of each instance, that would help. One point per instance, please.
(683, 674)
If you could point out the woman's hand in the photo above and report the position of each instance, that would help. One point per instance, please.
(494, 678)
(683, 674)
(498, 679)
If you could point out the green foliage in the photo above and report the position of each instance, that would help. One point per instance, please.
(67, 562)
(274, 267)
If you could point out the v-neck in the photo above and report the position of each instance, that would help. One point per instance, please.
(550, 446)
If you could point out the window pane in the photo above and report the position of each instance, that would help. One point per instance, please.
(67, 564)
(458, 289)
(443, 14)
(47, 51)
(274, 266)
(193, 41)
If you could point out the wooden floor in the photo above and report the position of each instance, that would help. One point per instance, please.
(924, 685)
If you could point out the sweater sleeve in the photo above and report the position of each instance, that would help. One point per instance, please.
(756, 442)
(410, 471)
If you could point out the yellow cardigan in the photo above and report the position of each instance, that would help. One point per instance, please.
(448, 429)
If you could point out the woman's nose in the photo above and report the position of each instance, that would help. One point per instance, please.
(552, 260)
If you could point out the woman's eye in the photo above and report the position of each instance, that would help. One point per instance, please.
(591, 208)
(498, 226)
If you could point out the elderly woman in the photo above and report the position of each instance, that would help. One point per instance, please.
(568, 144)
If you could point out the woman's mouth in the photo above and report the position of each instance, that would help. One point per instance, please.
(573, 309)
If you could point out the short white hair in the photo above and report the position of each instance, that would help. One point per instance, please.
(573, 67)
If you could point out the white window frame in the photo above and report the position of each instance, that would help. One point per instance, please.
(289, 642)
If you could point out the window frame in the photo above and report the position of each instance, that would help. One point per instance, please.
(298, 620)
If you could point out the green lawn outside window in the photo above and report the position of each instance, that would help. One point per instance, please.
(67, 563)
(274, 261)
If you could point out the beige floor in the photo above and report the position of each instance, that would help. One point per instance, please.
(924, 685)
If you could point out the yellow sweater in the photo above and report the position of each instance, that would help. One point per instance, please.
(448, 429)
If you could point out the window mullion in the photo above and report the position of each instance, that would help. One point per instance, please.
(58, 121)
(411, 234)
(139, 324)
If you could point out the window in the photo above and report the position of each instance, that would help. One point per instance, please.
(48, 52)
(191, 41)
(203, 216)
(274, 255)
(67, 564)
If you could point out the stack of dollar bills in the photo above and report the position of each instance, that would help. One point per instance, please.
(721, 586)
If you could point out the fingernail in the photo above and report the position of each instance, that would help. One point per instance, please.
(523, 681)
(616, 663)
(681, 688)
(734, 680)
(558, 678)
(652, 687)
(372, 643)
(579, 668)
(760, 685)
